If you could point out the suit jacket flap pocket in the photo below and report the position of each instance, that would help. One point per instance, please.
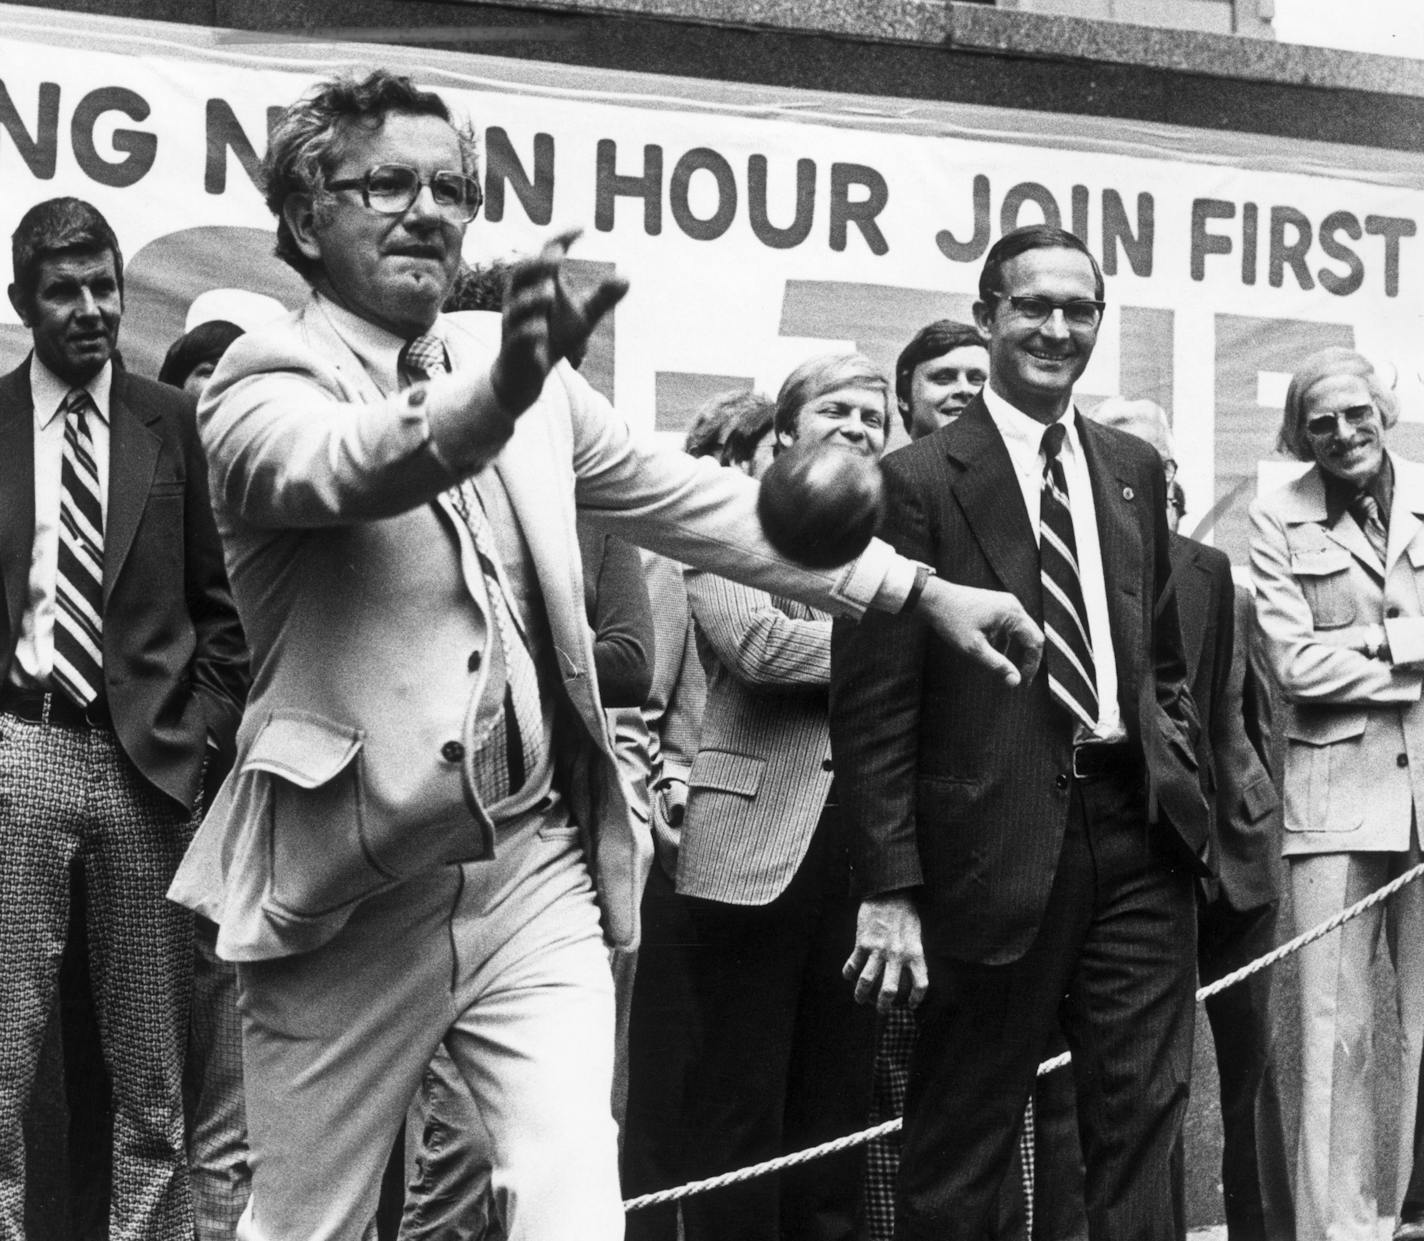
(1259, 798)
(1325, 727)
(1318, 560)
(302, 748)
(731, 773)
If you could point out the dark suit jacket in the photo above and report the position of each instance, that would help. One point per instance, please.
(175, 667)
(1215, 620)
(955, 785)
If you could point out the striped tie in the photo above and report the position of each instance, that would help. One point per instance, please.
(1068, 649)
(513, 744)
(1365, 509)
(79, 584)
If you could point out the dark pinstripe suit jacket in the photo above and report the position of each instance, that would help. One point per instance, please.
(956, 786)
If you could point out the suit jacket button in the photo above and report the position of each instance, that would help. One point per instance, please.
(827, 765)
(1402, 760)
(1060, 781)
(473, 663)
(452, 751)
(1391, 612)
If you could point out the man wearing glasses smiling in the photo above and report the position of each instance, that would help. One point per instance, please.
(1335, 559)
(425, 838)
(1028, 862)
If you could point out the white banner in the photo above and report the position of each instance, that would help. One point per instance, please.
(757, 225)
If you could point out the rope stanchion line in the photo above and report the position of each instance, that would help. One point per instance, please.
(851, 1140)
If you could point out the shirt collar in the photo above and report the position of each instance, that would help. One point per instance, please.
(375, 348)
(1023, 436)
(48, 391)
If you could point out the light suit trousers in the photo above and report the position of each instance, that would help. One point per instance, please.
(1335, 1194)
(502, 961)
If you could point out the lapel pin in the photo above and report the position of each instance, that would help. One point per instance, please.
(1128, 493)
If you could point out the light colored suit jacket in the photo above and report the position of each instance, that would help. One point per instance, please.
(1353, 726)
(356, 580)
(763, 765)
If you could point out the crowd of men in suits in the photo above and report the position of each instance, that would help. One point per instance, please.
(362, 722)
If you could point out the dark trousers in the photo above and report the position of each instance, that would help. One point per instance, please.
(1114, 965)
(1254, 1177)
(786, 1056)
(1254, 1172)
(662, 1042)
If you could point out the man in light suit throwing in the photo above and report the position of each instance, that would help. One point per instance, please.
(425, 838)
(1027, 860)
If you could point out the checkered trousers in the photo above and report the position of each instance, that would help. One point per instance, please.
(894, 1044)
(71, 797)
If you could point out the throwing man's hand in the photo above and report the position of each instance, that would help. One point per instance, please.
(544, 322)
(887, 947)
(990, 626)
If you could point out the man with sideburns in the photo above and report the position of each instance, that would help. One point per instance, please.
(425, 839)
(122, 672)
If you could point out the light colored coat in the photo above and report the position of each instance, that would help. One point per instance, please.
(763, 765)
(1353, 725)
(356, 582)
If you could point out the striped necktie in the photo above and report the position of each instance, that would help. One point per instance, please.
(79, 583)
(511, 741)
(1068, 649)
(1365, 509)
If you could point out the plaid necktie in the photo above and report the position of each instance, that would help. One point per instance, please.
(79, 584)
(1365, 509)
(1068, 649)
(513, 743)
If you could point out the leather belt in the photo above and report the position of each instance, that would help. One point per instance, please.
(1096, 761)
(49, 707)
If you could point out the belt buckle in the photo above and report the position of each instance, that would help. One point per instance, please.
(1078, 773)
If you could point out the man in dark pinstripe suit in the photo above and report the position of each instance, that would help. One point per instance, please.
(1026, 859)
(785, 1055)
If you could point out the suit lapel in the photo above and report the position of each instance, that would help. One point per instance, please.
(17, 485)
(987, 490)
(1120, 509)
(1347, 533)
(133, 457)
(1193, 590)
(546, 519)
(1406, 514)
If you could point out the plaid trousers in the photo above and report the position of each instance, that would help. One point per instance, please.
(70, 797)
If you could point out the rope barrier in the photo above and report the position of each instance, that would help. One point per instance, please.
(796, 1158)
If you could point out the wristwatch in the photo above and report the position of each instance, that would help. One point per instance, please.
(923, 573)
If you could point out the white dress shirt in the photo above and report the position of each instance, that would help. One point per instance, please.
(34, 649)
(1023, 437)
